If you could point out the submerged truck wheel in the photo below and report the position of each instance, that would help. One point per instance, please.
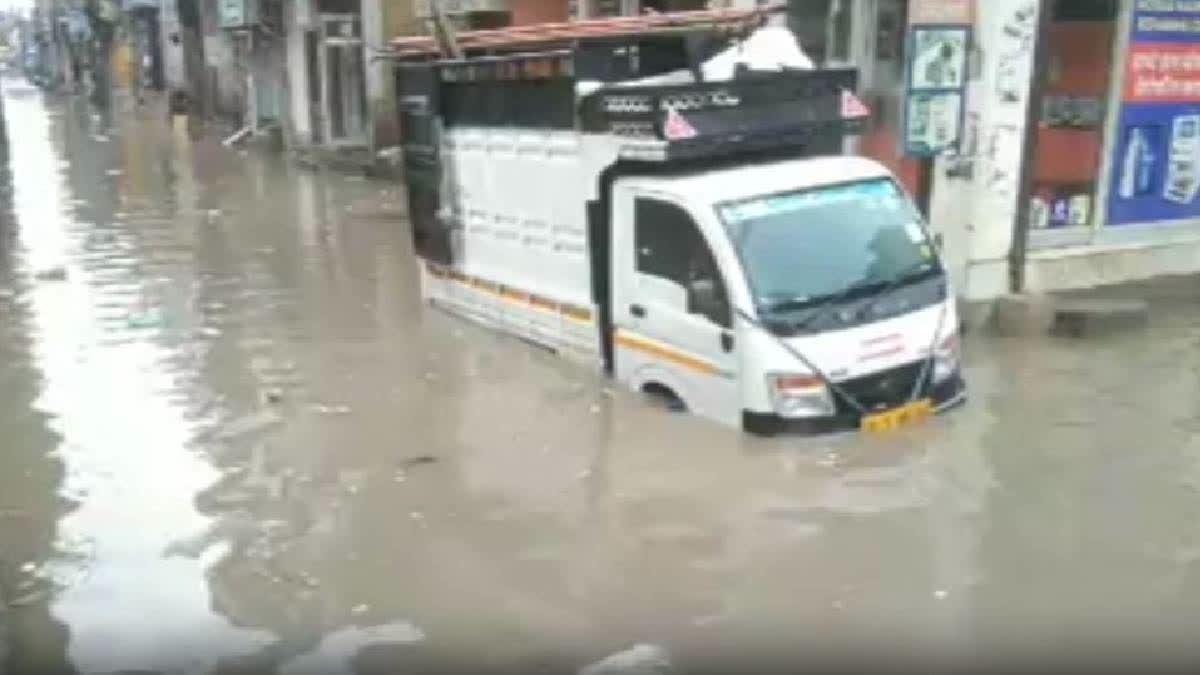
(664, 395)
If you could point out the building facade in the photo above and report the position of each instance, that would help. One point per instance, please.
(1080, 161)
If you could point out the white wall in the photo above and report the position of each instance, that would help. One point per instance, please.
(976, 215)
(381, 94)
(172, 54)
(299, 19)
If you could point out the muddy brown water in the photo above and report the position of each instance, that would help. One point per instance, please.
(233, 440)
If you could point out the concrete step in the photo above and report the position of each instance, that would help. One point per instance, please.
(1075, 317)
(1093, 317)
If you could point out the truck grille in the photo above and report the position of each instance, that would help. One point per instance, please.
(882, 390)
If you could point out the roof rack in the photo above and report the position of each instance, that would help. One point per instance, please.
(738, 21)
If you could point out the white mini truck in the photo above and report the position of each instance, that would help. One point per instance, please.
(701, 240)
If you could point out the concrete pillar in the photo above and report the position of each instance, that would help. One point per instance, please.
(974, 202)
(382, 121)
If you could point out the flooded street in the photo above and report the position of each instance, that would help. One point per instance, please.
(233, 440)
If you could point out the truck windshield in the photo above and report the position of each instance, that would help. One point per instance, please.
(832, 244)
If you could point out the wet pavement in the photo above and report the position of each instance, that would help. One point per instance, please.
(233, 440)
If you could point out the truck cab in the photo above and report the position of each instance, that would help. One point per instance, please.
(778, 295)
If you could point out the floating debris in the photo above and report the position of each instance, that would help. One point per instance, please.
(359, 609)
(418, 460)
(57, 273)
(249, 424)
(29, 568)
(30, 598)
(152, 318)
(941, 594)
(114, 172)
(642, 659)
(331, 409)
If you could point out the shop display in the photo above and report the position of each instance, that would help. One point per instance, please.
(1156, 172)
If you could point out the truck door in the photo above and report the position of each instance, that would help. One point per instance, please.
(671, 312)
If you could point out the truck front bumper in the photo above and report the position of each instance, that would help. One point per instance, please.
(945, 396)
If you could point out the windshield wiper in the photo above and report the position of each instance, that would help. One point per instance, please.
(826, 302)
(879, 288)
(905, 276)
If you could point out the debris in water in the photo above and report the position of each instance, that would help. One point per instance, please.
(595, 409)
(418, 460)
(273, 396)
(416, 515)
(213, 214)
(336, 651)
(100, 138)
(359, 609)
(249, 424)
(149, 319)
(29, 568)
(209, 332)
(941, 594)
(56, 273)
(642, 659)
(114, 172)
(583, 475)
(28, 599)
(331, 409)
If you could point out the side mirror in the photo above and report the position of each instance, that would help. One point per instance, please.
(703, 299)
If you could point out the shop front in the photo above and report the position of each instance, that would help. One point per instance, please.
(1115, 185)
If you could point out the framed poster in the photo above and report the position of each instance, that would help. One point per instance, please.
(933, 122)
(937, 79)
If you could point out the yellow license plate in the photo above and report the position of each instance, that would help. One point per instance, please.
(898, 418)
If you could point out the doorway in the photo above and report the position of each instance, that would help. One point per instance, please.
(1069, 151)
(343, 80)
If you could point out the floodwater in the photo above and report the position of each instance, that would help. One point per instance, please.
(233, 440)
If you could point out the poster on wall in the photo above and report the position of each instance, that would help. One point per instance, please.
(937, 77)
(1156, 160)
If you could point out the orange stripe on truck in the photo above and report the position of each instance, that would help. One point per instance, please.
(660, 351)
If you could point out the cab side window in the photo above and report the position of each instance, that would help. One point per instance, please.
(671, 247)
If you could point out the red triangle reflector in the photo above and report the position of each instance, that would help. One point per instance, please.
(676, 127)
(853, 107)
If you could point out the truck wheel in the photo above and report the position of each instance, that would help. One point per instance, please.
(665, 396)
(765, 426)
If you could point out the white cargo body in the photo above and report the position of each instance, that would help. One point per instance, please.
(698, 239)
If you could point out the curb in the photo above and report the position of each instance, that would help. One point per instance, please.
(1028, 315)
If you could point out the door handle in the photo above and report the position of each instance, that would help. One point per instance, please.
(726, 342)
(638, 311)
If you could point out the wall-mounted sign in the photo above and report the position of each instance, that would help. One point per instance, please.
(937, 78)
(1156, 167)
(941, 12)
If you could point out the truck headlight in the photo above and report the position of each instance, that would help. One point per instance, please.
(800, 395)
(946, 358)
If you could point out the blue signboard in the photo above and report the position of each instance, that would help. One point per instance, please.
(1156, 162)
